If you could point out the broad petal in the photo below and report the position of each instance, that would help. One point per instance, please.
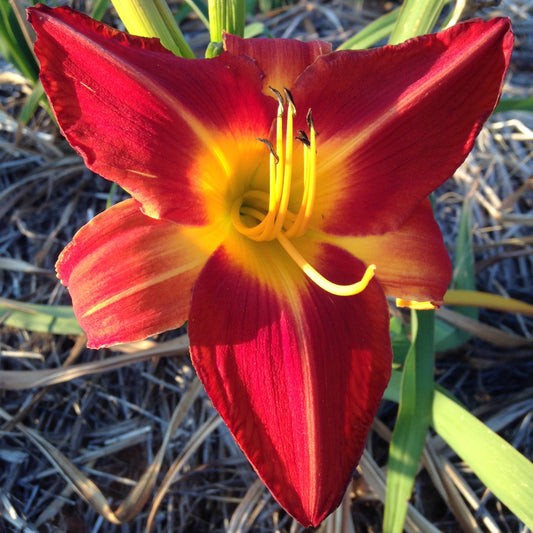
(296, 373)
(395, 122)
(411, 263)
(131, 276)
(281, 60)
(171, 131)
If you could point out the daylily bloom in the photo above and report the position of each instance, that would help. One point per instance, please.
(279, 195)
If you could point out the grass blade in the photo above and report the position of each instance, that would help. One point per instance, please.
(58, 319)
(416, 18)
(374, 32)
(504, 470)
(411, 427)
(464, 278)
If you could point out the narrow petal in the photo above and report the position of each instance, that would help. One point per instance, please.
(296, 373)
(411, 263)
(131, 276)
(395, 122)
(281, 60)
(167, 129)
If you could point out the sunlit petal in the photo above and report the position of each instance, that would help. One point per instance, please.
(400, 123)
(296, 373)
(411, 263)
(145, 118)
(131, 276)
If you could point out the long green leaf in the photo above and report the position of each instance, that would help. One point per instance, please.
(99, 8)
(506, 472)
(13, 44)
(413, 420)
(416, 18)
(374, 32)
(515, 104)
(464, 278)
(58, 319)
(153, 18)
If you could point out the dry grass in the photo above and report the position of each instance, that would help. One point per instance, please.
(133, 433)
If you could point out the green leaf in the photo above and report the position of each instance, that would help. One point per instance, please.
(413, 420)
(254, 29)
(400, 340)
(505, 472)
(464, 278)
(374, 32)
(30, 104)
(515, 104)
(58, 319)
(13, 43)
(99, 9)
(200, 8)
(153, 18)
(417, 17)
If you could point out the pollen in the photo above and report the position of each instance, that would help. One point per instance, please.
(269, 211)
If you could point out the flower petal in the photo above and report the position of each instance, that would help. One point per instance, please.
(167, 129)
(395, 122)
(411, 263)
(281, 60)
(131, 276)
(296, 373)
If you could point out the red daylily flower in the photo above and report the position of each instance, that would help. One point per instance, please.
(279, 194)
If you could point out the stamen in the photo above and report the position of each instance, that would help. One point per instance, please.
(287, 170)
(303, 138)
(321, 281)
(310, 121)
(289, 99)
(309, 183)
(267, 214)
(279, 98)
(270, 147)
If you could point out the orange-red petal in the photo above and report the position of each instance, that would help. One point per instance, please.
(281, 60)
(147, 119)
(411, 263)
(131, 276)
(395, 122)
(296, 373)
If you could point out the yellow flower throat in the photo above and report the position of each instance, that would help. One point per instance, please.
(270, 211)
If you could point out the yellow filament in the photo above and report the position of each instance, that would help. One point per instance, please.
(287, 172)
(301, 223)
(269, 212)
(321, 281)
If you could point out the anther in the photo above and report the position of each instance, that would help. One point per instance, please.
(303, 138)
(289, 99)
(270, 147)
(280, 100)
(310, 121)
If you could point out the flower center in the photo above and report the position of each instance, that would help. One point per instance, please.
(268, 216)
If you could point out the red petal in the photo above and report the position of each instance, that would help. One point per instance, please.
(296, 373)
(412, 263)
(281, 60)
(131, 276)
(147, 119)
(394, 123)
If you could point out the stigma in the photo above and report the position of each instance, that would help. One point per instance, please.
(267, 214)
